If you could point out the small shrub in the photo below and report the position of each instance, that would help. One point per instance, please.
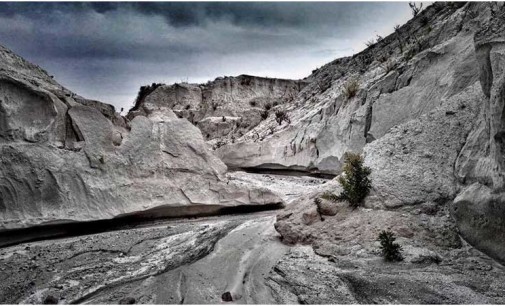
(219, 144)
(144, 91)
(50, 300)
(382, 58)
(415, 9)
(390, 250)
(424, 20)
(252, 103)
(370, 43)
(223, 119)
(281, 116)
(411, 52)
(214, 106)
(351, 88)
(330, 197)
(272, 130)
(268, 106)
(355, 181)
(187, 106)
(264, 114)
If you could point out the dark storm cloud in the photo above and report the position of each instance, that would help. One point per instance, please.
(260, 14)
(107, 50)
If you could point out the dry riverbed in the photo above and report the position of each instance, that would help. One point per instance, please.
(172, 261)
(238, 258)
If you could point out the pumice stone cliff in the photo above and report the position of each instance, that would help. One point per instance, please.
(259, 161)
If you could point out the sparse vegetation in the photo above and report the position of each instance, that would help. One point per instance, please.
(355, 181)
(411, 52)
(370, 43)
(330, 197)
(391, 251)
(351, 88)
(144, 91)
(382, 58)
(388, 66)
(399, 37)
(219, 144)
(281, 116)
(415, 9)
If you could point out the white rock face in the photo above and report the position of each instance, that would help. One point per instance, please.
(479, 208)
(242, 99)
(63, 160)
(398, 83)
(430, 129)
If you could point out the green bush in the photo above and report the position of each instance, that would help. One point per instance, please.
(355, 181)
(390, 250)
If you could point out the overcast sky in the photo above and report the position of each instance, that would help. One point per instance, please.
(106, 51)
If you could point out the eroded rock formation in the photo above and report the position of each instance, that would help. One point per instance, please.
(223, 109)
(429, 128)
(64, 158)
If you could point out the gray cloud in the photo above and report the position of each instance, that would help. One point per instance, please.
(106, 51)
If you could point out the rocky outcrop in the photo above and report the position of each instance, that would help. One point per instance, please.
(223, 109)
(430, 130)
(65, 159)
(480, 208)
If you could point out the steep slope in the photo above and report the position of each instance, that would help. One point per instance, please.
(400, 78)
(64, 158)
(430, 130)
